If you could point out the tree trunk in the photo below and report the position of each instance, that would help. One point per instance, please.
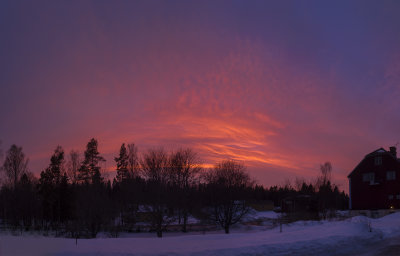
(226, 229)
(159, 225)
(185, 218)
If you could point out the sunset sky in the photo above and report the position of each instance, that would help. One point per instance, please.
(283, 86)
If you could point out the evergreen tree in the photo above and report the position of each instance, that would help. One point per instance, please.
(49, 186)
(122, 164)
(25, 200)
(65, 197)
(90, 169)
(54, 173)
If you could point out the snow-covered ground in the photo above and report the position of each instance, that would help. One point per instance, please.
(253, 214)
(345, 237)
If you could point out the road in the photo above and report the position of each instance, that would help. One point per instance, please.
(385, 247)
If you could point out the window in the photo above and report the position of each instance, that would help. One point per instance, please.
(391, 175)
(398, 196)
(378, 160)
(390, 197)
(369, 177)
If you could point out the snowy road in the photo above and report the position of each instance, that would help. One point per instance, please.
(385, 247)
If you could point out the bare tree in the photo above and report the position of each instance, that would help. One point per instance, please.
(133, 160)
(228, 183)
(326, 173)
(185, 167)
(15, 164)
(73, 165)
(324, 188)
(298, 183)
(155, 171)
(287, 184)
(155, 166)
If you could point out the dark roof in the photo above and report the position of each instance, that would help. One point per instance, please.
(380, 151)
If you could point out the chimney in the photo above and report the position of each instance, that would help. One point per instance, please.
(393, 151)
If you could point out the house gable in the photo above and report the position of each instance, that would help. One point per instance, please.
(369, 161)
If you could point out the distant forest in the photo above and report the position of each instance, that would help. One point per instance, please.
(152, 191)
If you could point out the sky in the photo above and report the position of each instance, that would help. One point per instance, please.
(281, 86)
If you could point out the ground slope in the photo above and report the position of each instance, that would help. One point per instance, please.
(350, 236)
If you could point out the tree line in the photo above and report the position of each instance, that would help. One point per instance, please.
(159, 188)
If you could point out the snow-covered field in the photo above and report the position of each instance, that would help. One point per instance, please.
(346, 237)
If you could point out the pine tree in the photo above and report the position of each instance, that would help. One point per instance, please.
(52, 175)
(90, 169)
(64, 197)
(122, 164)
(49, 184)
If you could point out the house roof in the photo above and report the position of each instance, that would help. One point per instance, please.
(380, 151)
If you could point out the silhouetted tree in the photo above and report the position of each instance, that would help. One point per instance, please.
(49, 186)
(133, 160)
(307, 189)
(185, 167)
(122, 164)
(155, 171)
(166, 185)
(19, 204)
(52, 174)
(326, 173)
(90, 169)
(127, 195)
(325, 188)
(228, 183)
(92, 205)
(92, 209)
(73, 166)
(65, 197)
(15, 164)
(26, 202)
(127, 185)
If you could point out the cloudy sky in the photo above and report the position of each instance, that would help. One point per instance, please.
(282, 86)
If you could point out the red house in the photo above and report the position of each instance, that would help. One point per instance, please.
(375, 182)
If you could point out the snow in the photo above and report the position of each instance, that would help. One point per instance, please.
(264, 214)
(343, 237)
